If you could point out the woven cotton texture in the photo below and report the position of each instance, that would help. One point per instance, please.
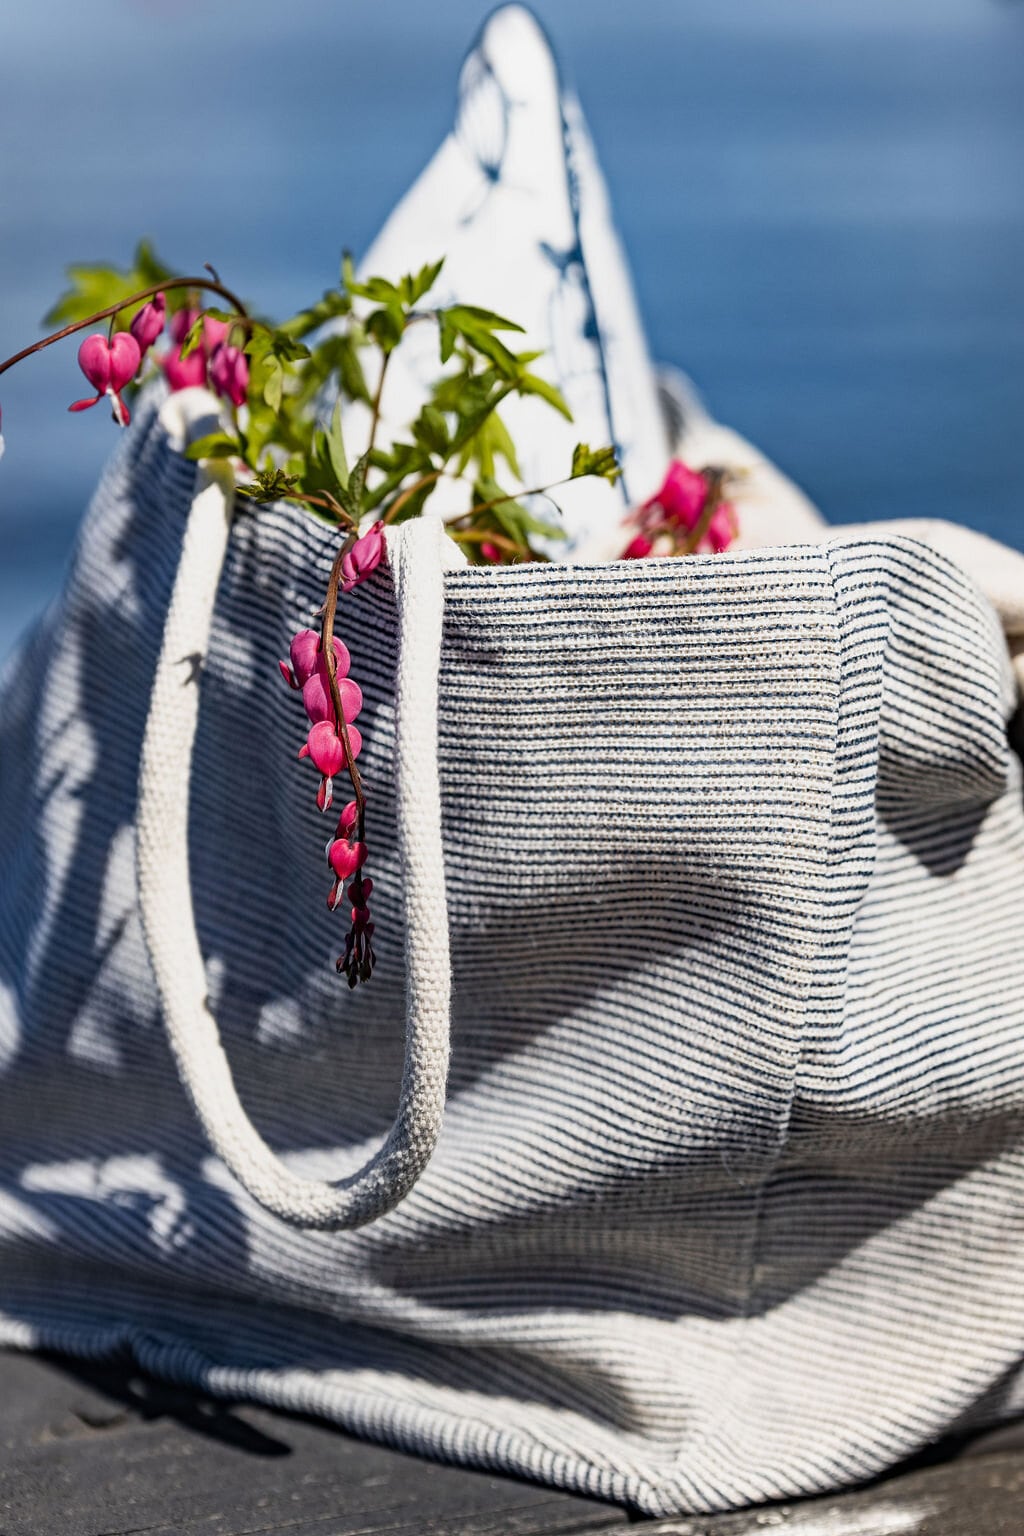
(728, 1203)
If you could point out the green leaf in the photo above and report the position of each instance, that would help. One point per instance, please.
(476, 327)
(594, 461)
(148, 265)
(332, 306)
(472, 415)
(495, 438)
(377, 289)
(533, 384)
(431, 429)
(270, 484)
(447, 336)
(193, 337)
(273, 386)
(386, 326)
(97, 286)
(511, 516)
(336, 448)
(357, 485)
(257, 344)
(424, 280)
(215, 445)
(484, 342)
(350, 371)
(286, 349)
(479, 319)
(263, 426)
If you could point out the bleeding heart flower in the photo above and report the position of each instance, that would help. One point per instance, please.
(316, 696)
(348, 820)
(109, 366)
(184, 372)
(325, 747)
(214, 332)
(229, 373)
(365, 555)
(722, 528)
(304, 654)
(638, 548)
(346, 857)
(149, 322)
(682, 495)
(680, 518)
(345, 851)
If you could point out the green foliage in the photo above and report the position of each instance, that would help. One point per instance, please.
(216, 445)
(594, 461)
(269, 484)
(289, 443)
(97, 287)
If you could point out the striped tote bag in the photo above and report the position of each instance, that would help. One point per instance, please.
(675, 1152)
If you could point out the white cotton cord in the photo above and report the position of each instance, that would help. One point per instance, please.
(418, 553)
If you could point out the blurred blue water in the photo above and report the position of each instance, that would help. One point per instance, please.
(823, 205)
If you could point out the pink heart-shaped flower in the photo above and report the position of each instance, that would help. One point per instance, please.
(316, 697)
(125, 358)
(346, 857)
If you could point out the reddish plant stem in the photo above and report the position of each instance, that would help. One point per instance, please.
(472, 536)
(409, 492)
(497, 501)
(135, 298)
(715, 479)
(331, 663)
(326, 501)
(375, 407)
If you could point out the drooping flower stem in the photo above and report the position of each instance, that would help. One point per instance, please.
(331, 664)
(135, 298)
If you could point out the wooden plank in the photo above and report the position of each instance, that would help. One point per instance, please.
(101, 1450)
(88, 1449)
(977, 1492)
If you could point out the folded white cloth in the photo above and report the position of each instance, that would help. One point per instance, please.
(773, 511)
(995, 569)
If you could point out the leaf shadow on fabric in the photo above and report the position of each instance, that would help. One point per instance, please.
(74, 960)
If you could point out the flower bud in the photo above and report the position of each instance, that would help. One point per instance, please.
(229, 373)
(184, 372)
(364, 557)
(149, 322)
(182, 322)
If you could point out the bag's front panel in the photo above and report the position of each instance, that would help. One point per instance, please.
(651, 775)
(892, 1238)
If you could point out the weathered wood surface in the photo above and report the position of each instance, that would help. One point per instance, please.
(101, 1450)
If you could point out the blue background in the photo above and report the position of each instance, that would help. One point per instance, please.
(823, 202)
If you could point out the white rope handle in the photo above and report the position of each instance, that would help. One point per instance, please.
(419, 553)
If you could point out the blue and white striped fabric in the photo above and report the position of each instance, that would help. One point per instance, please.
(729, 1200)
